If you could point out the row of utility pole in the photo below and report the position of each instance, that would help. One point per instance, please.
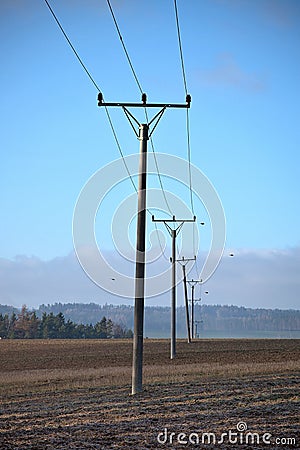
(144, 135)
(174, 233)
(193, 283)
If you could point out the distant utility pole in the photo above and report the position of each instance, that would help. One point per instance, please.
(143, 136)
(193, 283)
(197, 322)
(173, 233)
(183, 263)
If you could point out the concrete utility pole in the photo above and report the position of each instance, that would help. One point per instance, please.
(197, 322)
(137, 364)
(143, 136)
(193, 283)
(183, 263)
(186, 305)
(174, 233)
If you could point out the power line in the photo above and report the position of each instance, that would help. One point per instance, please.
(124, 47)
(72, 47)
(96, 86)
(141, 90)
(146, 114)
(119, 148)
(106, 109)
(187, 124)
(187, 115)
(158, 173)
(189, 159)
(190, 182)
(147, 119)
(180, 47)
(159, 242)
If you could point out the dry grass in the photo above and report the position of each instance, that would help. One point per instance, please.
(75, 394)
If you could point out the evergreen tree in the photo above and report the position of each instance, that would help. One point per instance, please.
(70, 330)
(11, 326)
(22, 326)
(110, 329)
(28, 326)
(101, 328)
(4, 326)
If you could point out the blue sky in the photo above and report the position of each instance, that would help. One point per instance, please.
(243, 71)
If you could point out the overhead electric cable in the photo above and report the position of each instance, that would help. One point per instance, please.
(180, 47)
(187, 112)
(119, 148)
(124, 47)
(96, 86)
(146, 114)
(72, 47)
(189, 159)
(106, 109)
(141, 91)
(187, 124)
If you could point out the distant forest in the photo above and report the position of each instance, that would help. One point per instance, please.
(211, 320)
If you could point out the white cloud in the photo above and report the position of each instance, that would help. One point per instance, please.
(261, 278)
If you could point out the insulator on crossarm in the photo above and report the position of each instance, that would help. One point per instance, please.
(188, 99)
(100, 99)
(144, 98)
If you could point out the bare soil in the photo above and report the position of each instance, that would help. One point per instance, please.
(75, 394)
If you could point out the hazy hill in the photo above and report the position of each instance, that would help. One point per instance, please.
(213, 320)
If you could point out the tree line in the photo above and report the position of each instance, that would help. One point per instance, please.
(27, 325)
(212, 320)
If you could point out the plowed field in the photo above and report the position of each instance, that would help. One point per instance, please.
(75, 394)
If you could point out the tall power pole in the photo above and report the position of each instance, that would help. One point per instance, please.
(137, 364)
(174, 233)
(143, 136)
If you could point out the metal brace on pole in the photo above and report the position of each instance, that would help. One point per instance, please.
(143, 136)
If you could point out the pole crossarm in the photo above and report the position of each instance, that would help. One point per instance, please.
(195, 300)
(194, 282)
(174, 220)
(183, 261)
(144, 103)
